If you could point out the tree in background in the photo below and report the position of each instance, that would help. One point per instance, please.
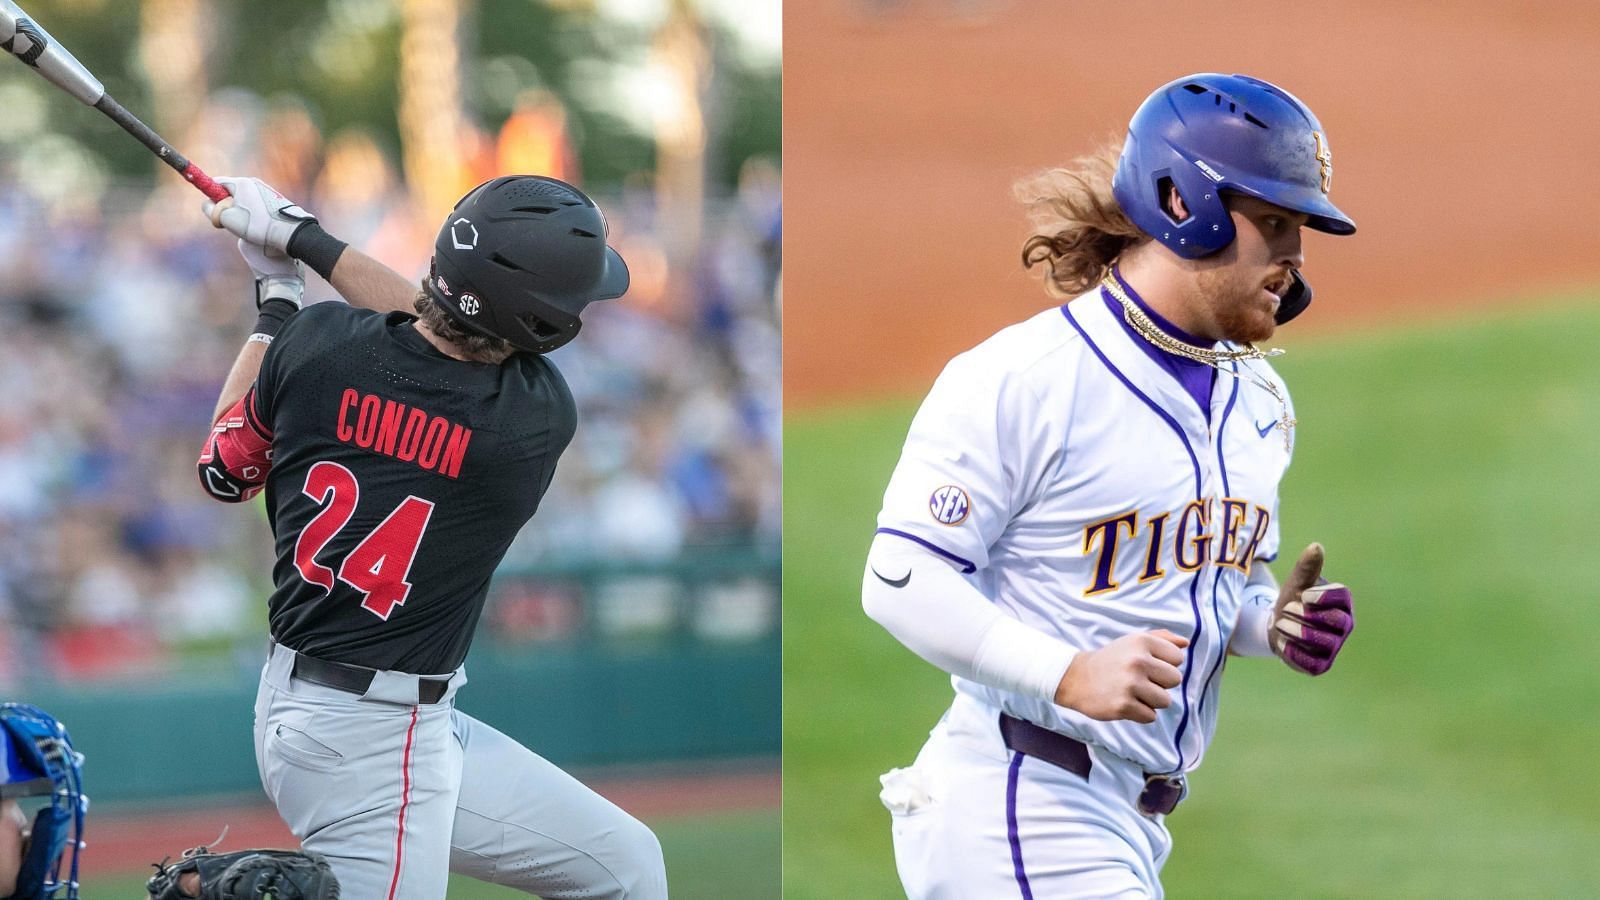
(431, 82)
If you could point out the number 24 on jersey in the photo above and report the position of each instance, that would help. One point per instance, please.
(378, 566)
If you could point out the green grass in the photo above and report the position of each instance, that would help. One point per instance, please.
(708, 856)
(1452, 473)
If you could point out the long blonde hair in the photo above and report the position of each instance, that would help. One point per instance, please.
(1078, 228)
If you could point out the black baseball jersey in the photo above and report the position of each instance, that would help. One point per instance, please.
(399, 478)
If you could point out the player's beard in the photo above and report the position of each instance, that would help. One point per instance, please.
(1238, 306)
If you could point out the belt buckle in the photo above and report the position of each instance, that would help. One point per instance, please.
(1162, 794)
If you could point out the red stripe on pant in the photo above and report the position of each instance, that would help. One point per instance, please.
(405, 800)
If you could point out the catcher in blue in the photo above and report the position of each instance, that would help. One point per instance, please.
(402, 440)
(1081, 521)
(37, 759)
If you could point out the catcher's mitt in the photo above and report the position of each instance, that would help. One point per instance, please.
(247, 875)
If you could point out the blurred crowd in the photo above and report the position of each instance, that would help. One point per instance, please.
(121, 313)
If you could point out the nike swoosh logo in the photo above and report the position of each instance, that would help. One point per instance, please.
(1263, 429)
(893, 582)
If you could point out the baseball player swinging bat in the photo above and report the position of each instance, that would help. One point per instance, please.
(27, 41)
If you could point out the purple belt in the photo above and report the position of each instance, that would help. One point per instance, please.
(1161, 793)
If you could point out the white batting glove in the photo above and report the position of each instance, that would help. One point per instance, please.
(258, 214)
(277, 278)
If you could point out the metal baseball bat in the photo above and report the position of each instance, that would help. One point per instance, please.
(27, 41)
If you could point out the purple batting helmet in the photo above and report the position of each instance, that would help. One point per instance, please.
(1209, 133)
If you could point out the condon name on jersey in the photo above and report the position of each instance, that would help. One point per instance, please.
(407, 433)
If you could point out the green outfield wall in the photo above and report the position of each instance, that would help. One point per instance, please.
(660, 663)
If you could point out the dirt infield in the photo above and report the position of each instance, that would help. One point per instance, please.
(1463, 134)
(121, 842)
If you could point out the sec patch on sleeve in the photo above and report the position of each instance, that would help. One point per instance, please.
(949, 505)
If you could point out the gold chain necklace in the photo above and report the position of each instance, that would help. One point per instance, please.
(1150, 331)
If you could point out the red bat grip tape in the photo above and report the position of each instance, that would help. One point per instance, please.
(201, 180)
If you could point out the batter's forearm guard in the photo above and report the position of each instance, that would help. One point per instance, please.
(237, 455)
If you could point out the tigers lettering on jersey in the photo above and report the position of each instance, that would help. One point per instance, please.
(1084, 491)
(1194, 541)
(407, 433)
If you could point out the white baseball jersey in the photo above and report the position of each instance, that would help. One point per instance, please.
(1087, 494)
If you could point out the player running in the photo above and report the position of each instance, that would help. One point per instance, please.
(402, 441)
(1080, 521)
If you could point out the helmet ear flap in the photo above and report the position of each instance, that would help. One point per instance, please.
(1145, 197)
(1208, 227)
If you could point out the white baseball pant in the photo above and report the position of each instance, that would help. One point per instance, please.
(398, 795)
(974, 819)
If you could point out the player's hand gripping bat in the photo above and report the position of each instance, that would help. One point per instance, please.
(23, 38)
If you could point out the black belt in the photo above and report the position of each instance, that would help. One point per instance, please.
(357, 679)
(1161, 792)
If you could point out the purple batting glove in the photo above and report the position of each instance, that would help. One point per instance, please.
(1309, 631)
(1312, 618)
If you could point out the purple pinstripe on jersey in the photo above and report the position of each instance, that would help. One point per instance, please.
(1216, 581)
(1011, 827)
(966, 565)
(1199, 489)
(1222, 462)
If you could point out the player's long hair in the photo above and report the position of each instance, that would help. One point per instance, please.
(480, 348)
(1078, 228)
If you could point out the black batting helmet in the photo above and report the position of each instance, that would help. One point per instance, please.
(520, 257)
